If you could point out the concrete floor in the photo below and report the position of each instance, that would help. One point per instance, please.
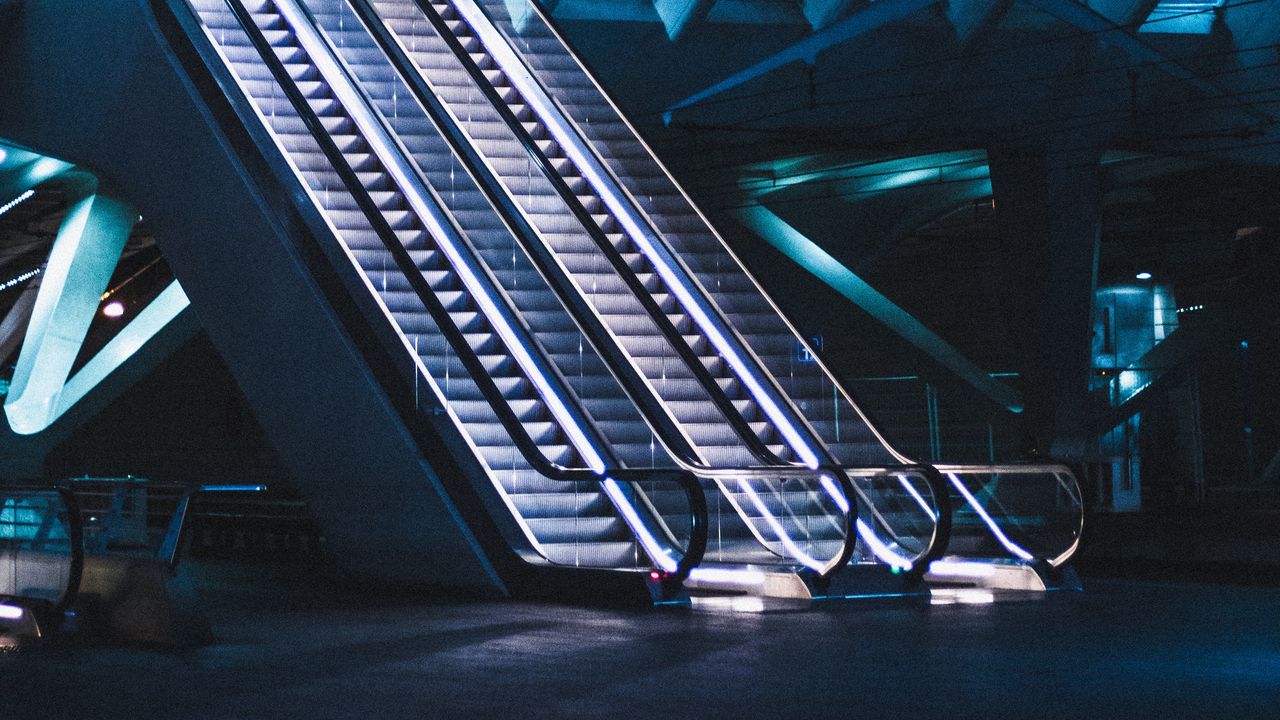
(1121, 649)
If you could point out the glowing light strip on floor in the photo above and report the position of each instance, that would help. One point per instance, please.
(962, 568)
(1009, 545)
(428, 212)
(515, 70)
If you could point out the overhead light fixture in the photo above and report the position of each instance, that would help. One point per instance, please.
(1144, 275)
(113, 309)
(16, 201)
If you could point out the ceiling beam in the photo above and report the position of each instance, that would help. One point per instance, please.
(679, 15)
(874, 16)
(821, 13)
(972, 19)
(1090, 21)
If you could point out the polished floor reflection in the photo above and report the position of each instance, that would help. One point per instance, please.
(290, 646)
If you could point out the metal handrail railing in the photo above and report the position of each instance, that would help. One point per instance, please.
(75, 538)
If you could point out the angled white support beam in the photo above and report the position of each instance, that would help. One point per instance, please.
(874, 16)
(1090, 21)
(679, 15)
(30, 174)
(806, 253)
(84, 256)
(821, 13)
(14, 325)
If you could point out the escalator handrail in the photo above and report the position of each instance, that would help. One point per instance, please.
(454, 335)
(1064, 476)
(75, 537)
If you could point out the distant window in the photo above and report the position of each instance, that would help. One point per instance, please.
(1182, 18)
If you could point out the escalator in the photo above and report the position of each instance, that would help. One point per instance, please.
(583, 176)
(471, 356)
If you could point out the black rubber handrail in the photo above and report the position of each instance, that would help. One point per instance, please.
(75, 537)
(699, 522)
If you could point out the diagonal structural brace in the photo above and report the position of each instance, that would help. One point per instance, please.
(808, 255)
(874, 16)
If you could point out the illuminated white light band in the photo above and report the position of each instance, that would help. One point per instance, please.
(916, 494)
(595, 174)
(1009, 545)
(881, 550)
(16, 201)
(800, 555)
(961, 568)
(429, 213)
(729, 576)
(11, 612)
(878, 547)
(838, 497)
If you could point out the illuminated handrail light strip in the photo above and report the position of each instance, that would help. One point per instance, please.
(697, 307)
(651, 545)
(878, 547)
(431, 216)
(1009, 545)
(792, 548)
(916, 494)
(16, 201)
(881, 549)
